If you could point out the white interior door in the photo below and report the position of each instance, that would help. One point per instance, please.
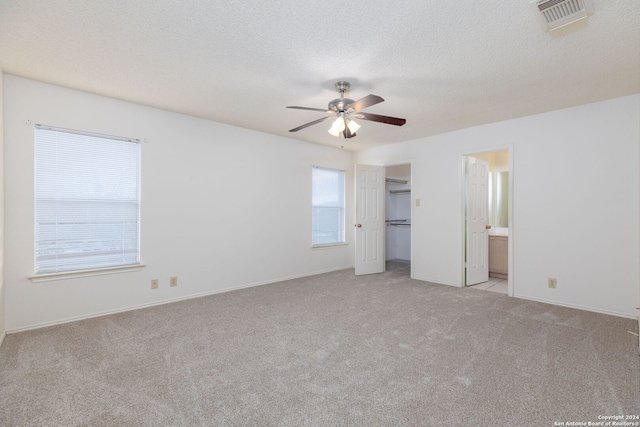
(477, 220)
(370, 243)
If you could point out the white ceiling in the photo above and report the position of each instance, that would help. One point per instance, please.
(442, 65)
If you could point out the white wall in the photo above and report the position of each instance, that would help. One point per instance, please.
(575, 177)
(222, 207)
(2, 182)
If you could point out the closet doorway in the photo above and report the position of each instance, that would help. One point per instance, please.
(398, 217)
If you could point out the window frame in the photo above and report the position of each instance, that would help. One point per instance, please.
(341, 231)
(96, 266)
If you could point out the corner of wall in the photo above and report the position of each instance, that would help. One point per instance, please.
(2, 299)
(638, 301)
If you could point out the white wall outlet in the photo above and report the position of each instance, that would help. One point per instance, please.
(154, 283)
(553, 282)
(173, 281)
(417, 203)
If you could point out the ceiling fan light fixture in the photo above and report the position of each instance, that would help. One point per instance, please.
(333, 132)
(353, 126)
(337, 127)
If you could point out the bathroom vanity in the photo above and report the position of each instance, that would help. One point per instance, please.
(498, 255)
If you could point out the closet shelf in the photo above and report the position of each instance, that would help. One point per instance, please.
(397, 222)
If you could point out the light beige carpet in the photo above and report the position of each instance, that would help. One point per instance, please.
(329, 350)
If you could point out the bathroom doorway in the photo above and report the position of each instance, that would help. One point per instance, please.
(398, 217)
(488, 212)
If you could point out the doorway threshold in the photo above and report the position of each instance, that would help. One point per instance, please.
(498, 286)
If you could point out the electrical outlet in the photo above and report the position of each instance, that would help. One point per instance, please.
(154, 283)
(173, 281)
(553, 282)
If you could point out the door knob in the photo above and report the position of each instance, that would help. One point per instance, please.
(359, 225)
(488, 227)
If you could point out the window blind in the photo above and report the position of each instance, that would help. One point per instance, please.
(87, 201)
(328, 188)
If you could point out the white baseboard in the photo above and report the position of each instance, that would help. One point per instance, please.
(168, 301)
(435, 281)
(2, 338)
(576, 306)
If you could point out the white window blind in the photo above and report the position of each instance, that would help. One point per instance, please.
(87, 201)
(327, 206)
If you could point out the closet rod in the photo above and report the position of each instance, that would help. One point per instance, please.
(396, 180)
(399, 191)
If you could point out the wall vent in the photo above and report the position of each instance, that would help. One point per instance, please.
(558, 13)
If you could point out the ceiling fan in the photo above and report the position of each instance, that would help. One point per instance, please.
(344, 110)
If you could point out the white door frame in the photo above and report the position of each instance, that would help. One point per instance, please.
(512, 222)
(413, 206)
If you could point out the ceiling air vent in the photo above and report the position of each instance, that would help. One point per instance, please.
(558, 13)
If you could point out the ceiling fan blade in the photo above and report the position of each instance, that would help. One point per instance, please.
(382, 119)
(365, 102)
(311, 109)
(311, 123)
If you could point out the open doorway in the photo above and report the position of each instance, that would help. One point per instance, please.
(487, 191)
(398, 218)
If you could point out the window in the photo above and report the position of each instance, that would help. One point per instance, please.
(327, 206)
(87, 201)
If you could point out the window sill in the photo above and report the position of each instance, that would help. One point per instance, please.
(35, 278)
(329, 245)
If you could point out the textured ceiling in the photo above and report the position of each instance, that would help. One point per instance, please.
(442, 65)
